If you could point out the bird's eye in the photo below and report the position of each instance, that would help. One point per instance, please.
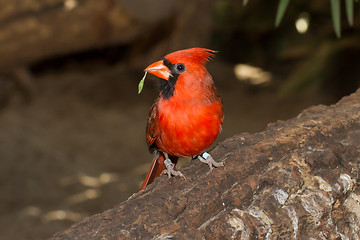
(180, 67)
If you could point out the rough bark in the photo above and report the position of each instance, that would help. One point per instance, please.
(298, 179)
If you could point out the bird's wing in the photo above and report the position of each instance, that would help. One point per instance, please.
(151, 128)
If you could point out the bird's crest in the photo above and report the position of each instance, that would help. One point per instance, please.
(195, 55)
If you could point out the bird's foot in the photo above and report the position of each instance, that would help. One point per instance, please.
(207, 158)
(170, 169)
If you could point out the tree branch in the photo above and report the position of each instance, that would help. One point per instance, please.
(297, 179)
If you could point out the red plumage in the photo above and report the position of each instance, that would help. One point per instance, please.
(186, 117)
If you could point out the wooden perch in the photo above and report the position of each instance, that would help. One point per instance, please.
(299, 179)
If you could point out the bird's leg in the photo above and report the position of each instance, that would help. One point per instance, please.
(207, 158)
(170, 167)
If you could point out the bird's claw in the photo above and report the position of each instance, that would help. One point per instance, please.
(170, 169)
(208, 159)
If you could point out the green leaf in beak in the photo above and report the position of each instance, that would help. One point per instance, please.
(141, 83)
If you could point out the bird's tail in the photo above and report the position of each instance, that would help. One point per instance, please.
(157, 167)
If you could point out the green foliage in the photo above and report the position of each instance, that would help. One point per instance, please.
(281, 11)
(335, 12)
(349, 4)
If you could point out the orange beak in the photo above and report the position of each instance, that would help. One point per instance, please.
(159, 69)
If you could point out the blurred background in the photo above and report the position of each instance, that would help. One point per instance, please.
(72, 141)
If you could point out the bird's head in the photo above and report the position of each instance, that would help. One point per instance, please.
(183, 64)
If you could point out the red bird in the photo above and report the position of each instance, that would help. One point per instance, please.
(186, 117)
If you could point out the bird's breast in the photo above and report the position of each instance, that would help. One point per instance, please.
(188, 128)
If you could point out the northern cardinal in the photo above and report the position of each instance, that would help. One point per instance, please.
(187, 115)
